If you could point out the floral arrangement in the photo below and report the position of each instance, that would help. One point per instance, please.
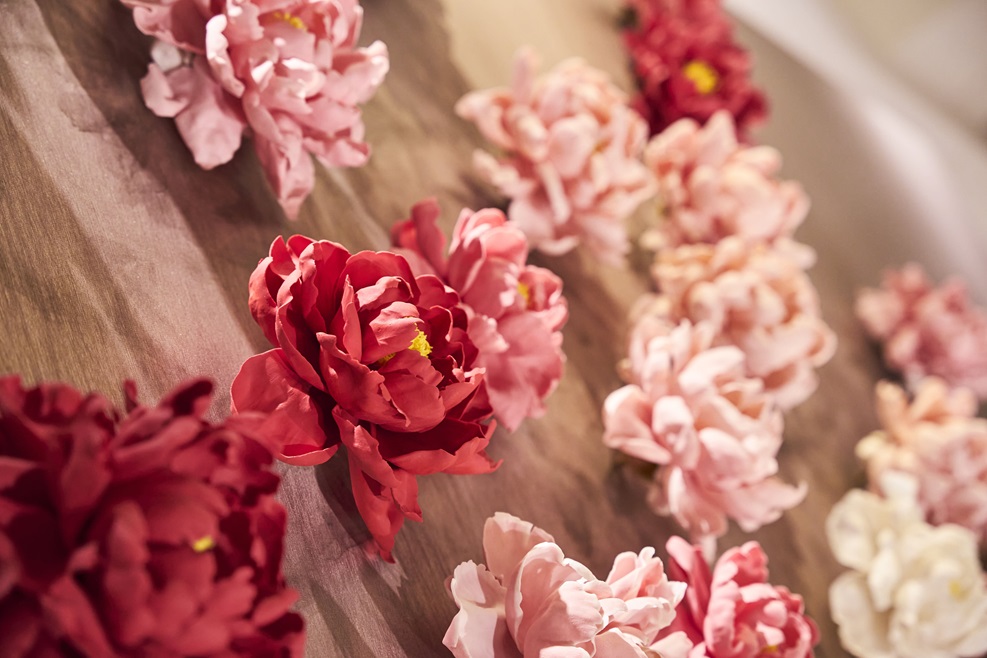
(687, 64)
(287, 73)
(572, 148)
(148, 531)
(530, 600)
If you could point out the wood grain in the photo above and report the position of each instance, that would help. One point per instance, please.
(121, 259)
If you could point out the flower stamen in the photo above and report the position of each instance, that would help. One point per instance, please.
(420, 344)
(291, 20)
(203, 544)
(702, 75)
(524, 290)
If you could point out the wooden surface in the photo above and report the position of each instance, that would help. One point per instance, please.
(120, 259)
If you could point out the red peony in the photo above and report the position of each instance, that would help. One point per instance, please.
(145, 533)
(687, 64)
(370, 357)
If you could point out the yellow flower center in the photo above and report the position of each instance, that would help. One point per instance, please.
(293, 21)
(524, 290)
(419, 343)
(203, 544)
(702, 75)
(956, 589)
(771, 648)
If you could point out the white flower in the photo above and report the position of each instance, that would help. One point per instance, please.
(915, 591)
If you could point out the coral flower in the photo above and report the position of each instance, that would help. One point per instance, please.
(149, 532)
(688, 65)
(937, 439)
(759, 299)
(530, 601)
(711, 187)
(572, 149)
(927, 330)
(516, 310)
(287, 72)
(713, 432)
(734, 610)
(370, 357)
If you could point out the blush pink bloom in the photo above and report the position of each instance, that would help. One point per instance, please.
(927, 330)
(710, 187)
(734, 611)
(371, 357)
(286, 72)
(145, 532)
(712, 431)
(530, 601)
(688, 65)
(758, 298)
(937, 439)
(516, 311)
(571, 148)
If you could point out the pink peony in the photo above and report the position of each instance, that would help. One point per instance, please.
(516, 311)
(370, 357)
(758, 298)
(287, 72)
(711, 187)
(530, 601)
(927, 330)
(688, 65)
(937, 439)
(572, 148)
(712, 431)
(734, 612)
(145, 533)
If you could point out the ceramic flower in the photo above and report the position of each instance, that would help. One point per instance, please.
(936, 439)
(733, 610)
(530, 601)
(927, 330)
(516, 311)
(712, 431)
(145, 532)
(287, 73)
(711, 187)
(571, 155)
(758, 298)
(370, 357)
(688, 65)
(913, 589)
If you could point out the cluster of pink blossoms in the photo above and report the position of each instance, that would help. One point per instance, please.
(530, 600)
(732, 338)
(288, 73)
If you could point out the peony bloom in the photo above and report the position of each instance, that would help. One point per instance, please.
(927, 330)
(712, 431)
(286, 72)
(734, 610)
(370, 357)
(914, 591)
(530, 601)
(937, 440)
(516, 311)
(688, 65)
(757, 298)
(144, 533)
(572, 148)
(712, 188)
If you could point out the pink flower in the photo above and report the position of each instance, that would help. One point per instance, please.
(711, 187)
(758, 298)
(927, 330)
(734, 611)
(516, 311)
(370, 357)
(288, 72)
(937, 439)
(688, 65)
(712, 431)
(572, 155)
(149, 532)
(531, 601)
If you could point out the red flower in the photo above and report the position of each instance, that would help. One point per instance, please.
(688, 65)
(371, 357)
(150, 533)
